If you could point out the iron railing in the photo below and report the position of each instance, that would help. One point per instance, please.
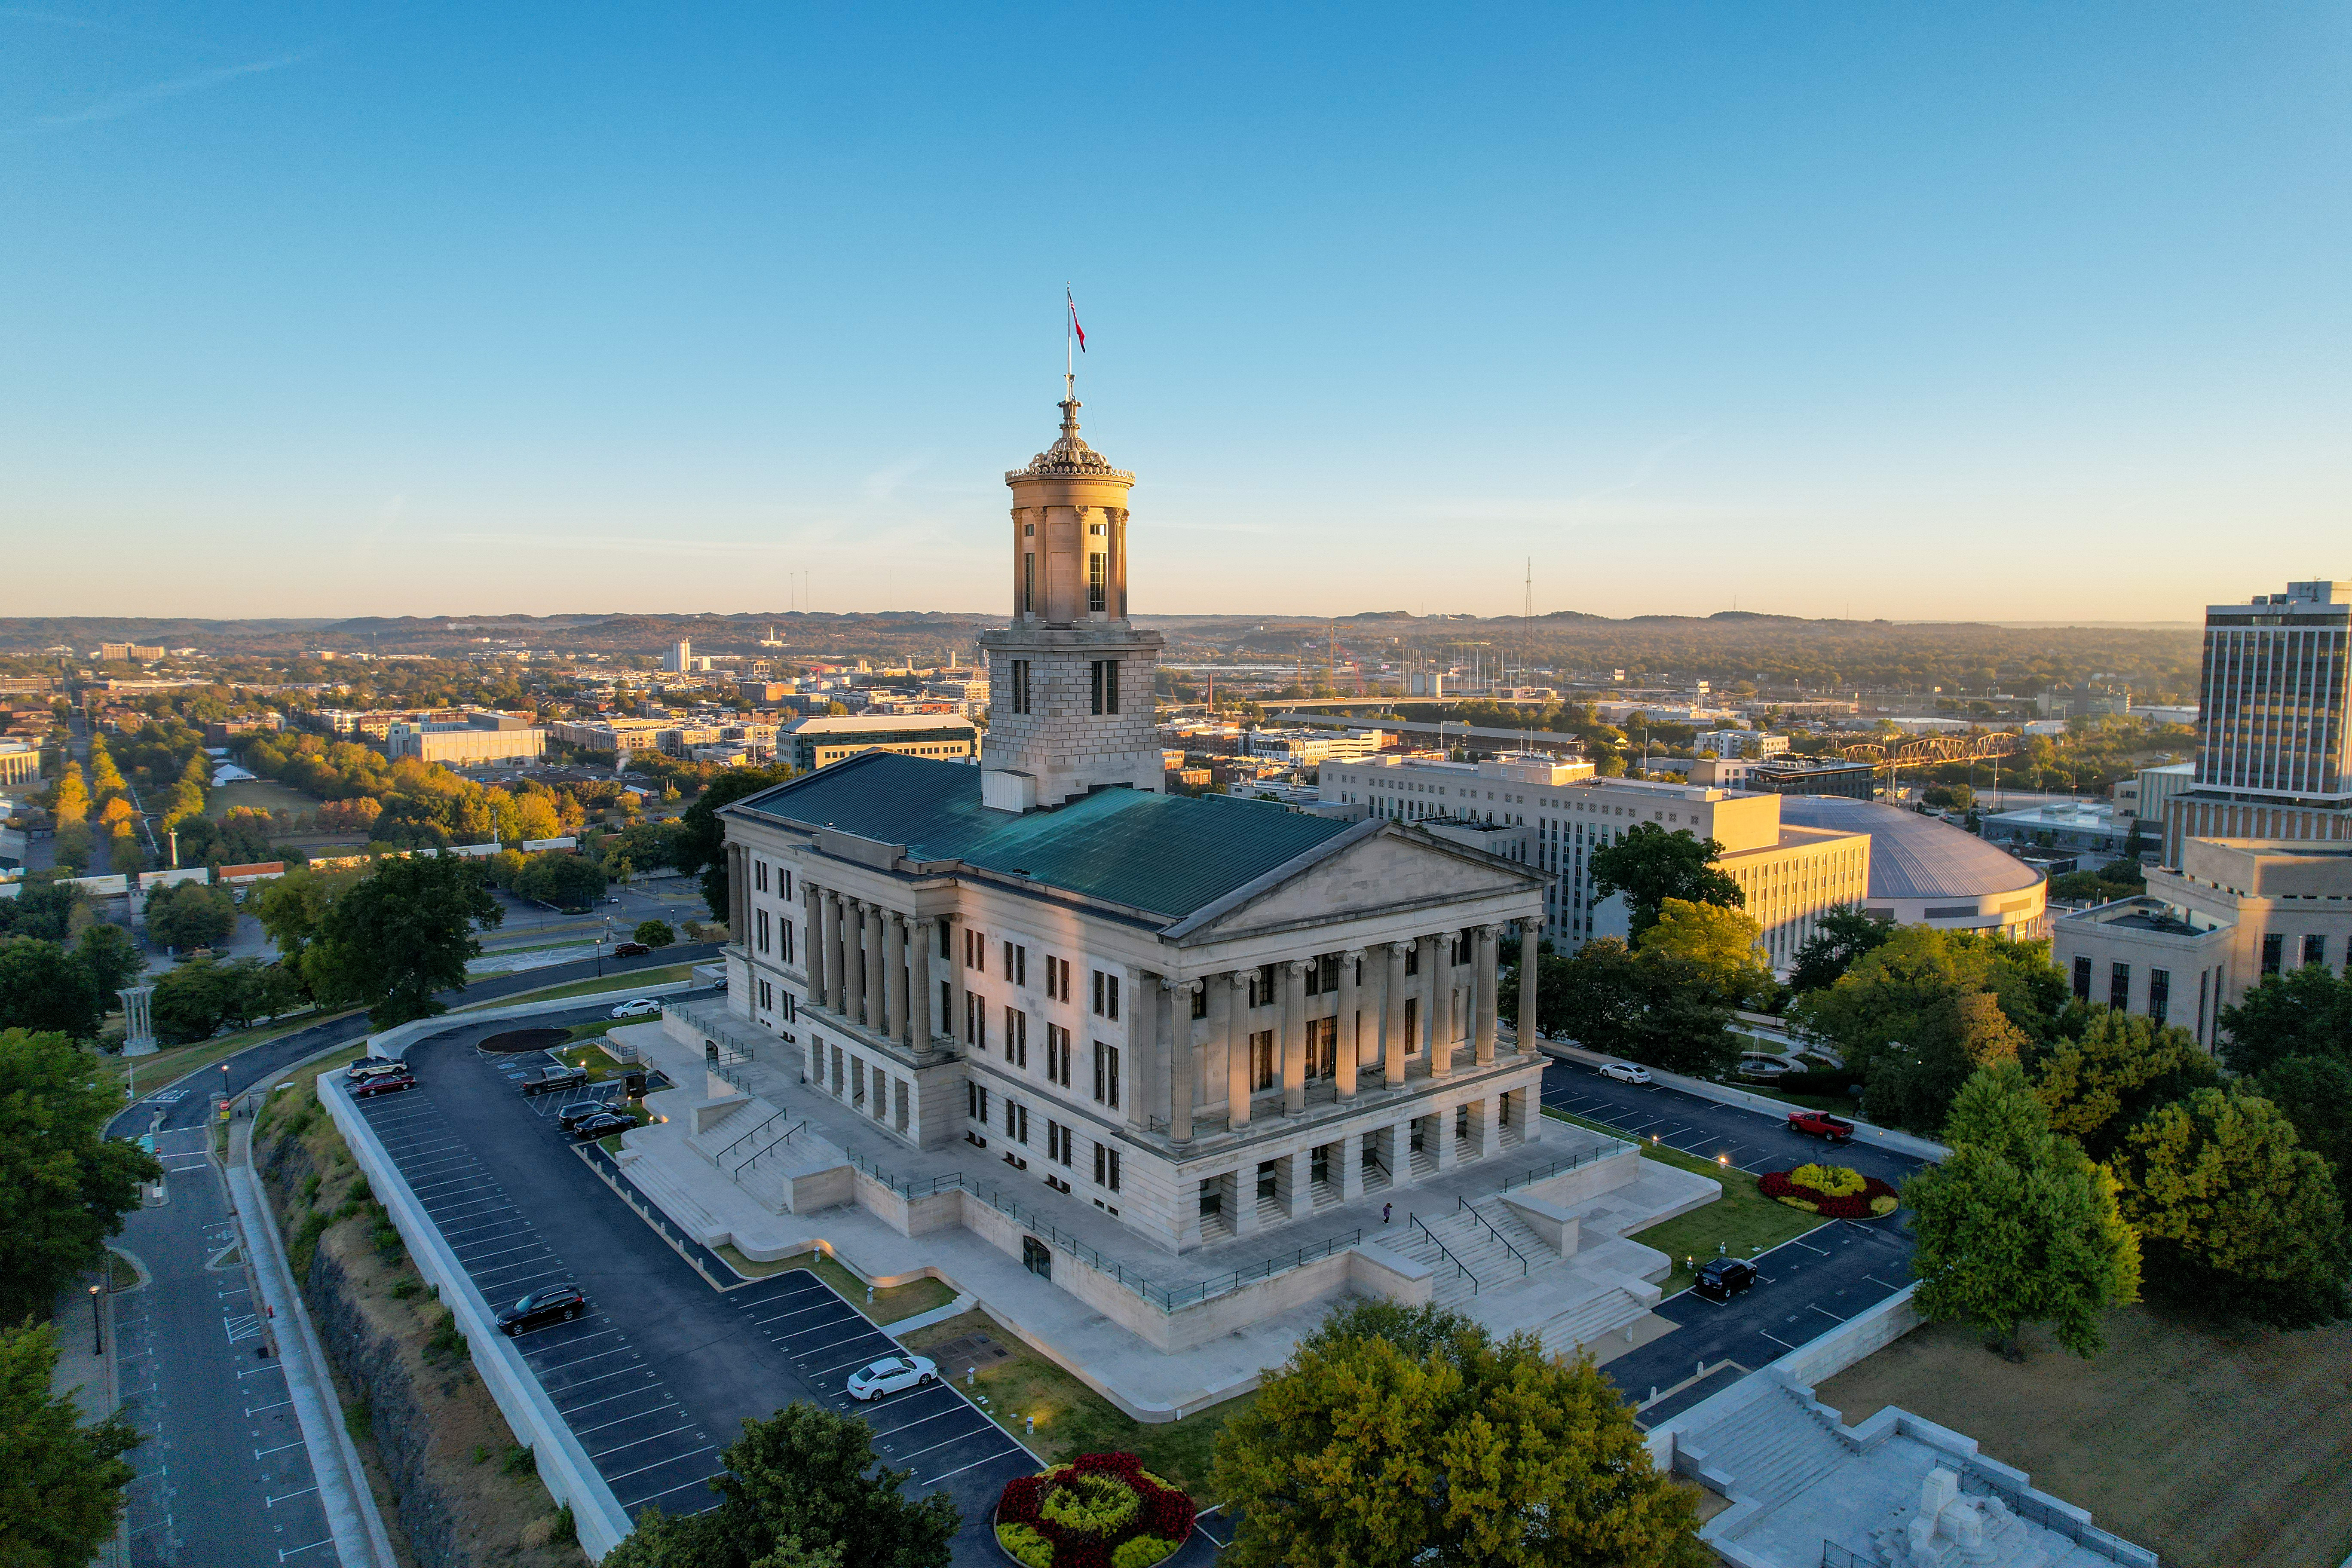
(1836, 1556)
(2034, 1512)
(770, 1148)
(746, 1137)
(1462, 1206)
(1607, 1147)
(1460, 1268)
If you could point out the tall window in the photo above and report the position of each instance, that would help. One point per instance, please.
(2082, 979)
(1106, 1167)
(1057, 1055)
(2272, 946)
(1262, 1059)
(1106, 994)
(1016, 963)
(2119, 986)
(1107, 1075)
(1028, 582)
(1098, 580)
(2159, 994)
(1016, 1038)
(1105, 684)
(1017, 692)
(2315, 951)
(1057, 978)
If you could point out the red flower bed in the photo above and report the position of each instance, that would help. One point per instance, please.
(1164, 1511)
(1849, 1206)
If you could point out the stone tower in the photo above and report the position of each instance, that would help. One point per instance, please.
(1069, 681)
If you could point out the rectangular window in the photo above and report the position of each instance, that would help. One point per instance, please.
(1262, 1066)
(2159, 994)
(761, 920)
(1016, 1122)
(1098, 580)
(1200, 1001)
(1103, 676)
(975, 1021)
(1016, 963)
(1017, 688)
(786, 874)
(1057, 1055)
(975, 1102)
(1413, 1026)
(1106, 1075)
(2082, 980)
(1106, 994)
(1413, 959)
(760, 876)
(2272, 946)
(1105, 1167)
(1057, 978)
(2119, 986)
(2315, 951)
(1016, 1038)
(975, 951)
(1028, 582)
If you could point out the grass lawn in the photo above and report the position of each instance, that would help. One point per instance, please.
(1743, 1222)
(152, 1073)
(1073, 1419)
(267, 795)
(618, 985)
(601, 1063)
(2207, 1445)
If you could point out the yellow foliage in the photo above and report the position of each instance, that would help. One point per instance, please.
(1832, 1181)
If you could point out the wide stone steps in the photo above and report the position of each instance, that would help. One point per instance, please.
(1470, 1246)
(1772, 1448)
(1588, 1320)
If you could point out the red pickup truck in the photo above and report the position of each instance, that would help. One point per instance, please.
(1821, 1124)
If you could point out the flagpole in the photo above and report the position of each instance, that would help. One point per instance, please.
(1069, 354)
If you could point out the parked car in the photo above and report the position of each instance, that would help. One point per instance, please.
(1721, 1278)
(631, 950)
(384, 1083)
(603, 1124)
(556, 1304)
(890, 1374)
(638, 1007)
(1626, 1072)
(580, 1110)
(1821, 1124)
(373, 1066)
(550, 1080)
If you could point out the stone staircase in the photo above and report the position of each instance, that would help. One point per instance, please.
(1603, 1313)
(1470, 1246)
(1770, 1447)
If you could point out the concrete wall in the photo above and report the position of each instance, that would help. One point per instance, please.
(564, 1464)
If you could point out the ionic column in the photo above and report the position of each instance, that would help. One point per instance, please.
(1393, 1023)
(1178, 1036)
(1294, 1038)
(1530, 935)
(1227, 1006)
(812, 941)
(872, 1016)
(1346, 1070)
(1140, 1073)
(922, 936)
(837, 973)
(1482, 1035)
(894, 975)
(853, 960)
(1432, 965)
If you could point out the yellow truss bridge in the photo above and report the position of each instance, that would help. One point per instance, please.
(1931, 749)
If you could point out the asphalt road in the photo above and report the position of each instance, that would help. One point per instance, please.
(1805, 1286)
(661, 1375)
(186, 1340)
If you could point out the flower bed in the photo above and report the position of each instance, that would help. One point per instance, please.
(1100, 1510)
(1833, 1192)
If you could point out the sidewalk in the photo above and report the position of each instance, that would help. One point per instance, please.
(84, 1321)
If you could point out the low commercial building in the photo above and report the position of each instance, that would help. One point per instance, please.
(1815, 776)
(2144, 794)
(1728, 743)
(129, 653)
(468, 744)
(812, 744)
(2235, 912)
(2072, 825)
(1924, 872)
(1310, 748)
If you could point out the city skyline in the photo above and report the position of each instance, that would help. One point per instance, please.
(2010, 317)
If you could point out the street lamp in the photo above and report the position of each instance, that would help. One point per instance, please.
(97, 1324)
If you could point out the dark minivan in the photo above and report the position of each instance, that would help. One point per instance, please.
(553, 1305)
(1721, 1278)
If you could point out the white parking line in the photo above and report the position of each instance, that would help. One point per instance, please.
(991, 1458)
(583, 1339)
(699, 1480)
(925, 1420)
(509, 1252)
(657, 1464)
(844, 1366)
(950, 1443)
(591, 1382)
(641, 1442)
(780, 1317)
(632, 1416)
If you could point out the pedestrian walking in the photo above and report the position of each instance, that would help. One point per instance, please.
(1386, 1209)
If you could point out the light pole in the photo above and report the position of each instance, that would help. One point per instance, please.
(97, 1323)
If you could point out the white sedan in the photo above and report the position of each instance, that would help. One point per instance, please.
(638, 1007)
(1626, 1072)
(890, 1374)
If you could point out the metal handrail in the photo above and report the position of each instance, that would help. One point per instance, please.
(1581, 1157)
(769, 1150)
(1461, 1267)
(746, 1137)
(2076, 1530)
(1836, 1556)
(1462, 1205)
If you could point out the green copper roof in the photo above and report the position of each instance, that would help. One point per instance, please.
(1168, 854)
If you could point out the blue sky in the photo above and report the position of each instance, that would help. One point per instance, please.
(2001, 311)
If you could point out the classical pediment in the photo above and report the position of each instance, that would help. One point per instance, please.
(1380, 866)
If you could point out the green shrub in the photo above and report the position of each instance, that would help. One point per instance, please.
(361, 1193)
(403, 1288)
(567, 1528)
(310, 1188)
(386, 1237)
(1830, 1180)
(481, 1453)
(306, 1240)
(446, 1338)
(519, 1461)
(1091, 1505)
(1140, 1552)
(1025, 1545)
(356, 1420)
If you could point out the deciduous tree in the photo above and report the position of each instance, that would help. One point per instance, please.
(1654, 1007)
(2123, 1066)
(801, 1489)
(701, 841)
(2234, 1213)
(2315, 1094)
(2306, 1012)
(1392, 1436)
(64, 1187)
(189, 915)
(69, 796)
(405, 931)
(1650, 865)
(1719, 941)
(61, 1482)
(1840, 936)
(2017, 1226)
(656, 933)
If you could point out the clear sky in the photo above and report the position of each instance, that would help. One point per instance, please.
(2003, 311)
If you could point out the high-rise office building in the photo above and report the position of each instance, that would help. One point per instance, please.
(2275, 748)
(680, 658)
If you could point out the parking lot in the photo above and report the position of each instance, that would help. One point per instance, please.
(657, 1377)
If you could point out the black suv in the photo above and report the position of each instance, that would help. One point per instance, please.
(603, 1124)
(1721, 1278)
(556, 1304)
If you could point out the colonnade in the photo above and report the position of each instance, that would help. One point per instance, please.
(871, 964)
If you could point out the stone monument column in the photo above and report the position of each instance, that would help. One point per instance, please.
(812, 940)
(1530, 936)
(1344, 1070)
(1482, 1036)
(1294, 1038)
(922, 935)
(1227, 1005)
(853, 959)
(137, 1020)
(894, 976)
(1177, 1026)
(1434, 1026)
(1392, 1026)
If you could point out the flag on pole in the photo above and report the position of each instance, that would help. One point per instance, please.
(1080, 331)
